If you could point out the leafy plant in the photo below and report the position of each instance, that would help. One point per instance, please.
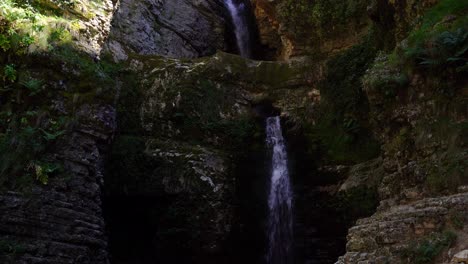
(5, 42)
(26, 144)
(52, 136)
(429, 248)
(33, 85)
(447, 173)
(341, 129)
(9, 73)
(457, 218)
(384, 80)
(42, 170)
(446, 49)
(440, 41)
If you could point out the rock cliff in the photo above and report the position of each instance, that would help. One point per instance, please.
(179, 29)
(140, 141)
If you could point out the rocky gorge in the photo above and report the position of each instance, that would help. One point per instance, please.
(131, 132)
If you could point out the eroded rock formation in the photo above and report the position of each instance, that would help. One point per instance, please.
(178, 29)
(378, 137)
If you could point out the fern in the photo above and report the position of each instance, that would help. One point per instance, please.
(33, 85)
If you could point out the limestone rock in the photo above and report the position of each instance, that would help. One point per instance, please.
(62, 222)
(366, 174)
(461, 257)
(385, 234)
(176, 28)
(92, 22)
(295, 28)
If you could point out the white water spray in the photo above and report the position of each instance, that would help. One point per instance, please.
(241, 27)
(280, 223)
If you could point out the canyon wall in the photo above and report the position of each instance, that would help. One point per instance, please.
(374, 110)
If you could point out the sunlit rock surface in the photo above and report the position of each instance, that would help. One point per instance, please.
(178, 29)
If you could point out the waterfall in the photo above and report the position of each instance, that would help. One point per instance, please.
(241, 26)
(280, 224)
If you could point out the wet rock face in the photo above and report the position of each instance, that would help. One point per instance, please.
(194, 121)
(179, 29)
(62, 222)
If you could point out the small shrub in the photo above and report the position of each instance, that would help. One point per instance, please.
(439, 43)
(25, 144)
(446, 49)
(42, 170)
(342, 129)
(33, 85)
(5, 42)
(9, 73)
(383, 80)
(429, 248)
(447, 173)
(457, 218)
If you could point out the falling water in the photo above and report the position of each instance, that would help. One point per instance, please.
(241, 26)
(280, 226)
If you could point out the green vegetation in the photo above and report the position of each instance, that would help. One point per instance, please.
(38, 58)
(22, 144)
(9, 249)
(401, 141)
(457, 218)
(440, 43)
(342, 128)
(446, 15)
(384, 79)
(315, 18)
(447, 173)
(27, 26)
(9, 73)
(426, 250)
(200, 113)
(438, 46)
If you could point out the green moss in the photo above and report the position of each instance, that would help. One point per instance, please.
(31, 122)
(342, 130)
(314, 19)
(431, 21)
(384, 80)
(401, 141)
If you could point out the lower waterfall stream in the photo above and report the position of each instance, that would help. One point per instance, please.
(279, 222)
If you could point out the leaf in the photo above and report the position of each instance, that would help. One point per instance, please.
(52, 136)
(41, 175)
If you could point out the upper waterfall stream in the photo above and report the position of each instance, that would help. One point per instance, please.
(238, 15)
(280, 224)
